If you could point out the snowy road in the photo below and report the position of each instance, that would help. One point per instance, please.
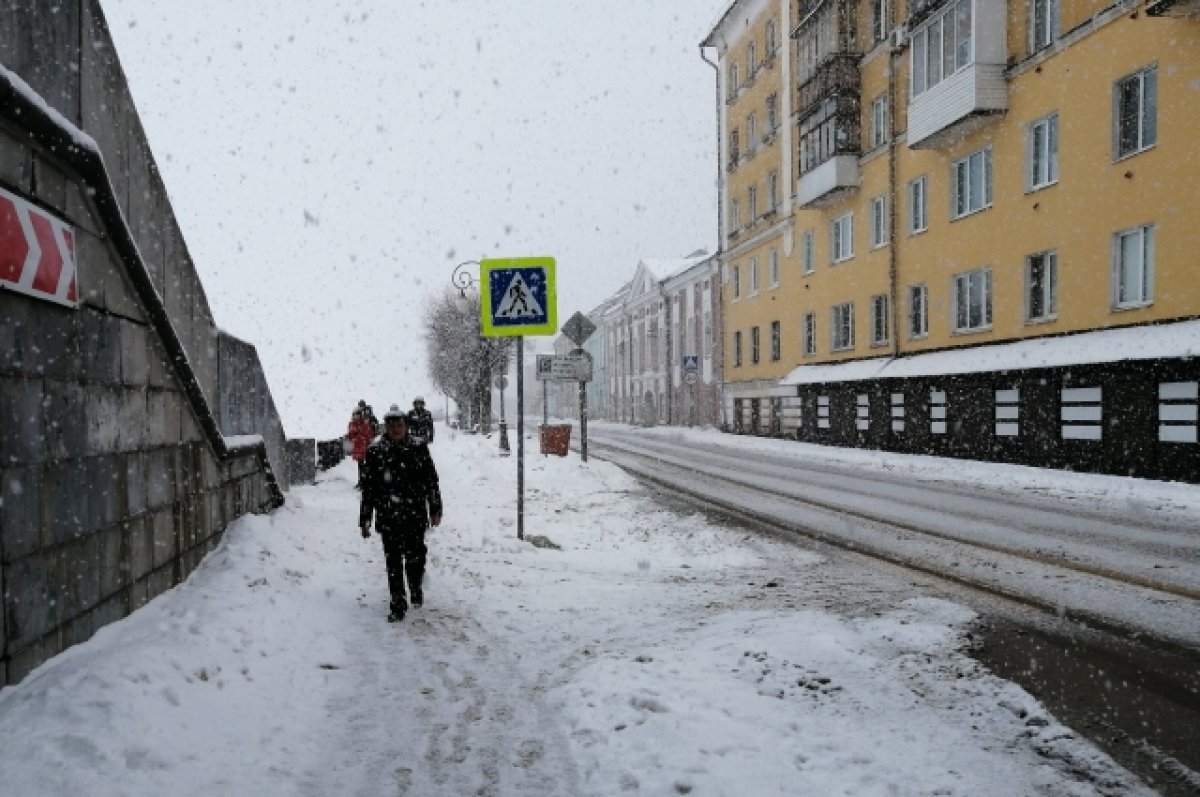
(1062, 541)
(653, 653)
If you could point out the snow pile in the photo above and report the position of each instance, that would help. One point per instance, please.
(651, 652)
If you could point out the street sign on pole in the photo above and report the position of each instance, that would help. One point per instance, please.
(518, 297)
(574, 366)
(578, 328)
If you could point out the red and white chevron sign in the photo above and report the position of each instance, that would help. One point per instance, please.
(37, 252)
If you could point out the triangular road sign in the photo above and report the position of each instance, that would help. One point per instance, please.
(519, 301)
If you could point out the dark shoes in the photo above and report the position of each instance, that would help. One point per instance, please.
(397, 613)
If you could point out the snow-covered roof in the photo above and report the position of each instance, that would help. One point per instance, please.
(665, 268)
(1145, 342)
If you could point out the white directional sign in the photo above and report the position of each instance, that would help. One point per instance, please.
(575, 366)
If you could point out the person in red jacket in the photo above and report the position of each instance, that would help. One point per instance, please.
(360, 435)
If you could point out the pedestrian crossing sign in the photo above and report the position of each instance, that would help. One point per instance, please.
(518, 297)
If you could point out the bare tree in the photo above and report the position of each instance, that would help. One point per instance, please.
(462, 361)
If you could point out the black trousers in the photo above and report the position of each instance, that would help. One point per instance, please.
(404, 551)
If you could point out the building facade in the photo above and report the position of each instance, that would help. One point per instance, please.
(962, 174)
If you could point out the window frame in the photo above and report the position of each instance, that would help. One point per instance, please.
(918, 206)
(960, 178)
(841, 318)
(755, 345)
(751, 205)
(922, 39)
(736, 279)
(1147, 233)
(880, 320)
(1036, 179)
(809, 334)
(754, 284)
(1048, 13)
(808, 253)
(843, 222)
(737, 348)
(879, 121)
(773, 269)
(880, 12)
(1147, 123)
(732, 77)
(1046, 292)
(879, 222)
(776, 341)
(918, 313)
(962, 285)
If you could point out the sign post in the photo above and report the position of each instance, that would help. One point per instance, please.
(518, 299)
(578, 329)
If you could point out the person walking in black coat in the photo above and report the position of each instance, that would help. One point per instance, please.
(400, 492)
(420, 421)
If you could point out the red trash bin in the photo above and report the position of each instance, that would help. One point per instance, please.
(555, 438)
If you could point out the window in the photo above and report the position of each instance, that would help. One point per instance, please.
(752, 204)
(918, 311)
(842, 331)
(776, 343)
(733, 81)
(973, 300)
(824, 134)
(773, 189)
(772, 114)
(1042, 152)
(942, 46)
(879, 19)
(773, 268)
(735, 216)
(752, 141)
(706, 341)
(810, 334)
(917, 206)
(971, 183)
(737, 348)
(879, 320)
(735, 150)
(753, 275)
(772, 37)
(1135, 108)
(751, 60)
(736, 279)
(754, 345)
(879, 222)
(842, 244)
(1133, 267)
(879, 122)
(1043, 23)
(807, 258)
(1041, 286)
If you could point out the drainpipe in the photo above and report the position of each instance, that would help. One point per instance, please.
(719, 332)
(894, 240)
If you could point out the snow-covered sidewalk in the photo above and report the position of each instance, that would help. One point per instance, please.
(652, 653)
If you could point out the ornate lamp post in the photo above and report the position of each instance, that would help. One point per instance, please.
(463, 279)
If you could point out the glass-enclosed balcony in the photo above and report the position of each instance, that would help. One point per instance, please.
(829, 149)
(957, 60)
(1174, 8)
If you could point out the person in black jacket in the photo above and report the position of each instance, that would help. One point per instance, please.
(420, 421)
(400, 492)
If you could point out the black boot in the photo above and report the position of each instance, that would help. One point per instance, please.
(397, 613)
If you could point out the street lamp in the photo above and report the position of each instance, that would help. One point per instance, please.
(463, 279)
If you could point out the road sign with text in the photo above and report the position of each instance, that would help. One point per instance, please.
(518, 297)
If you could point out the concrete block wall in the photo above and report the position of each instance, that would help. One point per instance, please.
(114, 480)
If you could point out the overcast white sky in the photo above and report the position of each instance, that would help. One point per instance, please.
(330, 161)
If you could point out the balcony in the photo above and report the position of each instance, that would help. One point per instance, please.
(826, 183)
(837, 76)
(965, 87)
(1179, 9)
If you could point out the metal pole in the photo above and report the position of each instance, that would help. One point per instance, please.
(583, 421)
(545, 403)
(520, 437)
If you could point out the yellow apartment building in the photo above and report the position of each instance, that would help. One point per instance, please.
(962, 176)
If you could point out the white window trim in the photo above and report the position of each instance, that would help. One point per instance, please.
(924, 315)
(736, 278)
(773, 269)
(1050, 122)
(808, 251)
(878, 132)
(988, 180)
(846, 221)
(809, 333)
(986, 323)
(1116, 113)
(1148, 250)
(1049, 297)
(879, 222)
(878, 302)
(753, 276)
(1054, 13)
(848, 308)
(913, 229)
